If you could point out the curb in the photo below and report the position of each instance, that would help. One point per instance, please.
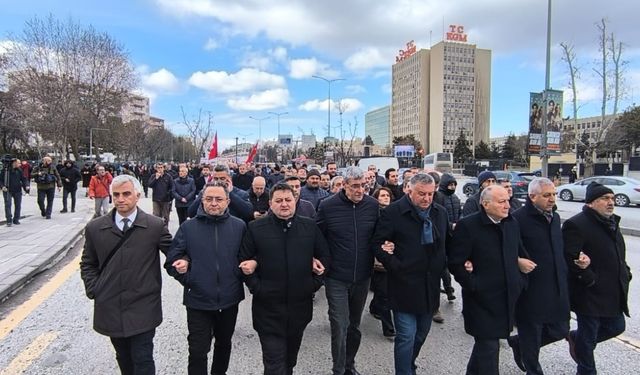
(47, 263)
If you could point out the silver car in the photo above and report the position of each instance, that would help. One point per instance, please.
(625, 189)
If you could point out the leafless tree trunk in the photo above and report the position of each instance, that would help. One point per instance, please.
(618, 71)
(342, 108)
(199, 130)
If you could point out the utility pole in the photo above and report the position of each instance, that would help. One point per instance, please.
(544, 152)
(329, 81)
(236, 149)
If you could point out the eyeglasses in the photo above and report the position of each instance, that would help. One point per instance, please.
(356, 186)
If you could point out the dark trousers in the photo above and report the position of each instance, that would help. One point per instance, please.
(163, 210)
(182, 214)
(446, 280)
(17, 200)
(135, 353)
(591, 331)
(379, 305)
(280, 352)
(49, 194)
(532, 336)
(205, 325)
(346, 302)
(485, 357)
(65, 193)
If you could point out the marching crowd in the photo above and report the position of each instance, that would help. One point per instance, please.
(285, 232)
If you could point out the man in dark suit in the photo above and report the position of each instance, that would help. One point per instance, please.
(120, 268)
(542, 312)
(598, 294)
(484, 258)
(418, 230)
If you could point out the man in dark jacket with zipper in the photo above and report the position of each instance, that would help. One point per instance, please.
(598, 294)
(70, 176)
(348, 220)
(47, 178)
(542, 312)
(418, 229)
(162, 184)
(12, 182)
(213, 284)
(259, 197)
(285, 246)
(184, 192)
(473, 203)
(121, 271)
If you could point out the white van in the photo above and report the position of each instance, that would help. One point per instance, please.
(381, 162)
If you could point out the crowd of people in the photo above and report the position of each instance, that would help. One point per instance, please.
(286, 231)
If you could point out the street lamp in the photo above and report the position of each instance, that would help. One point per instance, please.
(91, 140)
(329, 100)
(278, 141)
(260, 131)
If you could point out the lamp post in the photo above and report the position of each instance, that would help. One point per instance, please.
(260, 132)
(544, 152)
(278, 140)
(329, 81)
(91, 140)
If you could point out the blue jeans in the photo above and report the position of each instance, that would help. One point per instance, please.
(411, 332)
(47, 194)
(591, 331)
(135, 353)
(346, 302)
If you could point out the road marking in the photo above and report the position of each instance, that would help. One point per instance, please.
(12, 320)
(29, 354)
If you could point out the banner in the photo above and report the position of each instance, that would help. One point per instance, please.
(554, 121)
(252, 153)
(213, 153)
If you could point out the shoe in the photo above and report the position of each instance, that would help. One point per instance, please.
(450, 296)
(43, 214)
(517, 356)
(9, 223)
(437, 317)
(572, 346)
(16, 222)
(352, 372)
(73, 210)
(63, 211)
(388, 333)
(48, 217)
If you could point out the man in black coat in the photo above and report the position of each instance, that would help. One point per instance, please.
(284, 246)
(162, 184)
(473, 203)
(70, 176)
(418, 229)
(542, 312)
(483, 257)
(598, 293)
(12, 182)
(348, 220)
(213, 284)
(259, 197)
(120, 268)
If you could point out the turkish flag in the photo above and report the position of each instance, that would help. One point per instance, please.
(213, 153)
(252, 153)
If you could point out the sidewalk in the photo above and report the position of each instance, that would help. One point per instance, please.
(36, 244)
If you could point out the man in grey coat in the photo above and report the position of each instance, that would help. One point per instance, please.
(120, 268)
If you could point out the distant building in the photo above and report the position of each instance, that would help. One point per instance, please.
(590, 125)
(439, 92)
(155, 123)
(377, 125)
(136, 108)
(499, 142)
(307, 141)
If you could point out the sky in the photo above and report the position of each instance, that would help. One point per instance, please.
(245, 58)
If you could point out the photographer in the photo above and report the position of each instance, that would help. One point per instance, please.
(70, 176)
(47, 177)
(11, 184)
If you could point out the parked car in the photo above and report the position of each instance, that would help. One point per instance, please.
(519, 183)
(625, 189)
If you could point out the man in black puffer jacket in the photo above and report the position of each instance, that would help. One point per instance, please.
(70, 176)
(348, 220)
(213, 284)
(447, 198)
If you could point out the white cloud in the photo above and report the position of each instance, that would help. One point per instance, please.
(161, 80)
(268, 99)
(279, 53)
(354, 89)
(349, 105)
(305, 68)
(211, 44)
(367, 58)
(264, 60)
(245, 80)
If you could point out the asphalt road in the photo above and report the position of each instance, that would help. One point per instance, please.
(56, 337)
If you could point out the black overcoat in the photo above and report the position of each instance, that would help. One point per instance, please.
(413, 269)
(283, 283)
(490, 292)
(602, 288)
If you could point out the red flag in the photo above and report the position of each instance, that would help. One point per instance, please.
(213, 153)
(252, 153)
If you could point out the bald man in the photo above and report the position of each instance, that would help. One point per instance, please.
(259, 197)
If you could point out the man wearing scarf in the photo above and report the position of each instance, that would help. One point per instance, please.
(418, 229)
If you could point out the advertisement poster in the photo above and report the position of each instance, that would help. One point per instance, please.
(554, 121)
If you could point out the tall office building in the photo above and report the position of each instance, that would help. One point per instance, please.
(439, 92)
(377, 125)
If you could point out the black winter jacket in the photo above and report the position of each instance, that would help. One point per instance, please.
(348, 228)
(72, 174)
(184, 188)
(212, 244)
(448, 198)
(162, 188)
(261, 203)
(17, 181)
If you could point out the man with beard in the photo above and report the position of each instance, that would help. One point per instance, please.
(311, 191)
(303, 207)
(284, 246)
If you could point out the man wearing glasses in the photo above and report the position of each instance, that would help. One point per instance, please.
(348, 219)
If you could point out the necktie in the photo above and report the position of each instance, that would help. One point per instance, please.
(548, 216)
(125, 227)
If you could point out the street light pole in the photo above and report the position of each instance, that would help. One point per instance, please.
(329, 81)
(91, 140)
(259, 132)
(544, 153)
(278, 140)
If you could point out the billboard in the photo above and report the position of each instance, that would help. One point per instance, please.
(404, 151)
(554, 121)
(285, 139)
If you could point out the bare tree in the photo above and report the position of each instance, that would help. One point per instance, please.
(569, 58)
(199, 130)
(342, 107)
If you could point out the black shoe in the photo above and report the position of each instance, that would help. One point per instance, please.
(73, 210)
(63, 211)
(43, 214)
(16, 222)
(389, 333)
(48, 217)
(572, 345)
(517, 356)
